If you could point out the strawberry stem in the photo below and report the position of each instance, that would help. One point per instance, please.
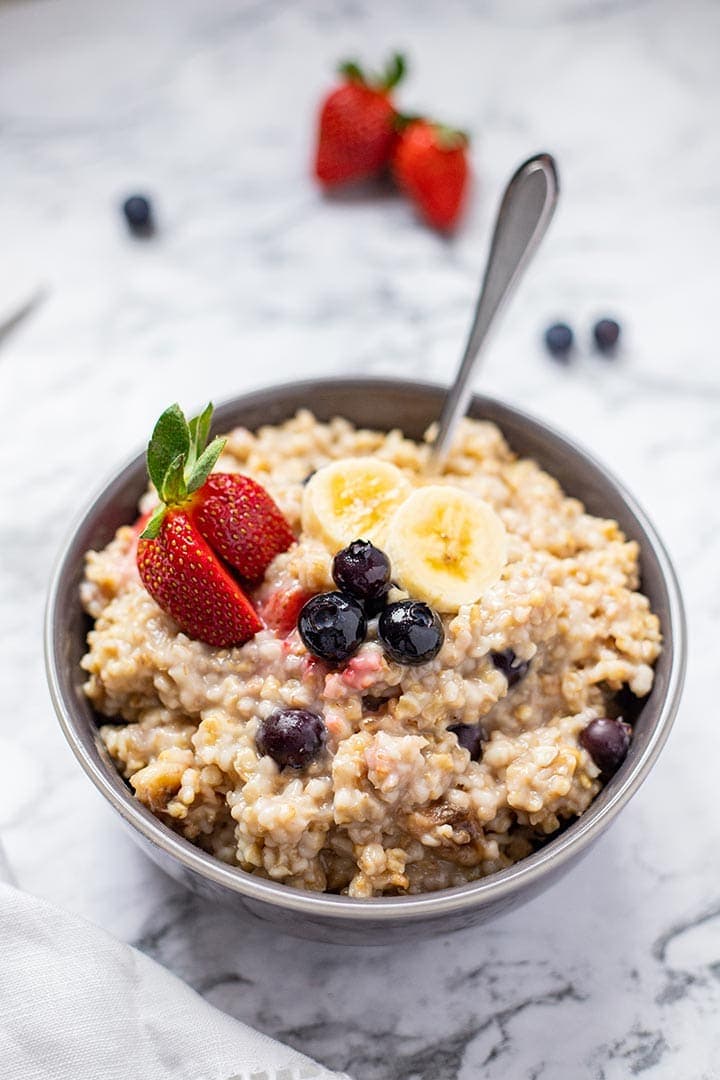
(154, 522)
(404, 120)
(352, 71)
(394, 71)
(448, 138)
(178, 461)
(451, 138)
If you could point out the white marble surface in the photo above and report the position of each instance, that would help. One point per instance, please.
(254, 278)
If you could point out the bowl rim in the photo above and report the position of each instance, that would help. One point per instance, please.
(493, 889)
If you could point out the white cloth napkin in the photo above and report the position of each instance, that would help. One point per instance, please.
(75, 1004)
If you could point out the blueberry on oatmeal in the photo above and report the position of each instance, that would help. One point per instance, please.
(410, 632)
(332, 626)
(363, 571)
(291, 737)
(470, 737)
(507, 662)
(607, 742)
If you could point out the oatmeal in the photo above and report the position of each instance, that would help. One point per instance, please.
(415, 771)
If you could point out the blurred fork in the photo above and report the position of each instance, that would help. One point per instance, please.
(21, 312)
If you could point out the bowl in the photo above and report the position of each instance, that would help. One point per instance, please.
(383, 404)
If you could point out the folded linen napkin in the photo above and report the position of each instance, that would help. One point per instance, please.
(75, 1004)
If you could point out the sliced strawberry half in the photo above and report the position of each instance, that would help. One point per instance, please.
(184, 576)
(202, 519)
(241, 522)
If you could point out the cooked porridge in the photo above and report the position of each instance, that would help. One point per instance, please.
(418, 775)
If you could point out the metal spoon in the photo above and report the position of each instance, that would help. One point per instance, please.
(525, 212)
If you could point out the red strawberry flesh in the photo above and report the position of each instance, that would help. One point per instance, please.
(240, 522)
(189, 582)
(356, 134)
(430, 164)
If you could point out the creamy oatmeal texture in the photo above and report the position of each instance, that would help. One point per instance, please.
(394, 804)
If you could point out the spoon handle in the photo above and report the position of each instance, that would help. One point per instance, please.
(525, 212)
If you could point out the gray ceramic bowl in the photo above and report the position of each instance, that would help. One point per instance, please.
(379, 403)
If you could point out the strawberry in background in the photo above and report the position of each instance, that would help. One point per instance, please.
(356, 131)
(360, 132)
(430, 165)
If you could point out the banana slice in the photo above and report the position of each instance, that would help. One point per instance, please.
(446, 546)
(352, 499)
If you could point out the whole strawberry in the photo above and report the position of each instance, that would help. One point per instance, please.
(356, 131)
(202, 523)
(430, 165)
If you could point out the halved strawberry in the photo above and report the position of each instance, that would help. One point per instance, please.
(188, 581)
(241, 522)
(200, 520)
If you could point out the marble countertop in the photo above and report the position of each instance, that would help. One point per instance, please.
(254, 278)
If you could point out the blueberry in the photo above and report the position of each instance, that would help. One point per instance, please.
(512, 668)
(291, 737)
(606, 333)
(607, 742)
(470, 737)
(332, 626)
(362, 571)
(559, 340)
(138, 214)
(410, 632)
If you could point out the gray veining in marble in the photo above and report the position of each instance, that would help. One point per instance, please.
(254, 278)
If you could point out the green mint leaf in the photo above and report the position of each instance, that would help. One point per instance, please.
(174, 489)
(199, 428)
(170, 438)
(204, 465)
(155, 521)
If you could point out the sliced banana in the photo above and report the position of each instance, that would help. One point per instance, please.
(446, 546)
(352, 499)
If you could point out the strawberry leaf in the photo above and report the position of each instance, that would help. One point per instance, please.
(199, 472)
(155, 521)
(394, 72)
(174, 489)
(199, 428)
(450, 138)
(352, 71)
(401, 121)
(169, 440)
